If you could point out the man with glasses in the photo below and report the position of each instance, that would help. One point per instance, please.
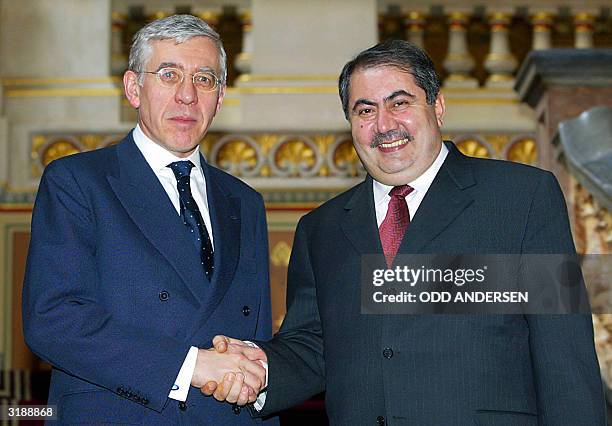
(141, 252)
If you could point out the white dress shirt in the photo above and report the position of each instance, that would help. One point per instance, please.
(421, 186)
(158, 159)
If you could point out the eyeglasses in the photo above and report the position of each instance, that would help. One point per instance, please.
(204, 81)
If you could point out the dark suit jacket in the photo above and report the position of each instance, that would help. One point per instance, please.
(115, 295)
(434, 369)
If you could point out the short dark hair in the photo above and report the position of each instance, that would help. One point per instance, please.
(393, 53)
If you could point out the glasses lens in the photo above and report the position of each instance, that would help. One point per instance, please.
(205, 81)
(170, 76)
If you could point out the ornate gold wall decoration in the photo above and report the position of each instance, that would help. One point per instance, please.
(497, 144)
(294, 156)
(473, 148)
(240, 156)
(278, 155)
(58, 149)
(344, 159)
(48, 147)
(523, 151)
(280, 254)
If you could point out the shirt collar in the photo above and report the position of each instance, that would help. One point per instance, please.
(420, 184)
(157, 156)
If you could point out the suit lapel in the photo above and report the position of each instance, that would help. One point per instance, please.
(148, 205)
(226, 221)
(359, 224)
(444, 201)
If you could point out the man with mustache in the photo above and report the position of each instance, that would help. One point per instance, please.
(141, 252)
(421, 195)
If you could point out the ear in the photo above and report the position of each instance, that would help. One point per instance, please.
(220, 98)
(131, 88)
(440, 108)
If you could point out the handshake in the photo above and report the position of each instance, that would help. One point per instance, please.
(231, 371)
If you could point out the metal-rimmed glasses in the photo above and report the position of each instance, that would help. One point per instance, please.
(204, 81)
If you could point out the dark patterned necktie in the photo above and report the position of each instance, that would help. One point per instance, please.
(191, 215)
(393, 227)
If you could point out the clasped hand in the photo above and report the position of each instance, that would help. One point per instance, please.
(231, 371)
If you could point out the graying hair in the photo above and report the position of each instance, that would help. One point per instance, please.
(179, 28)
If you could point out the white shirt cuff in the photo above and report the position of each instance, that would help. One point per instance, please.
(181, 385)
(261, 398)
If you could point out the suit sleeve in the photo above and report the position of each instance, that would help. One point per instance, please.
(568, 384)
(264, 320)
(66, 323)
(296, 369)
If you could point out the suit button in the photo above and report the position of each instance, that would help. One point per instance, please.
(388, 353)
(164, 295)
(182, 406)
(236, 409)
(144, 401)
(246, 311)
(380, 421)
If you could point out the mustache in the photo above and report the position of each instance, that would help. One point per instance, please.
(390, 136)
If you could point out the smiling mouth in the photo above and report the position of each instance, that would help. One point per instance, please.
(394, 144)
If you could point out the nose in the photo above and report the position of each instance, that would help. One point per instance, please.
(385, 121)
(186, 92)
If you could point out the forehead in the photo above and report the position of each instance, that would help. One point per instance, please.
(379, 82)
(197, 52)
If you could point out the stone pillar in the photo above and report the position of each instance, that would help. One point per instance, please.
(56, 72)
(243, 60)
(211, 17)
(299, 49)
(62, 38)
(307, 37)
(459, 62)
(583, 27)
(119, 58)
(414, 26)
(542, 28)
(500, 63)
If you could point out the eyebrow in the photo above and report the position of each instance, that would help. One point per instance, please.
(362, 101)
(175, 65)
(166, 65)
(386, 99)
(207, 69)
(398, 93)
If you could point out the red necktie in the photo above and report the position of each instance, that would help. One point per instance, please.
(393, 228)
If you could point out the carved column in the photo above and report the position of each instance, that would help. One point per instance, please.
(458, 62)
(500, 63)
(243, 60)
(583, 27)
(118, 55)
(542, 28)
(158, 14)
(211, 17)
(414, 26)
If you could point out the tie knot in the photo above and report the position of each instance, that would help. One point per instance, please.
(181, 168)
(400, 191)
